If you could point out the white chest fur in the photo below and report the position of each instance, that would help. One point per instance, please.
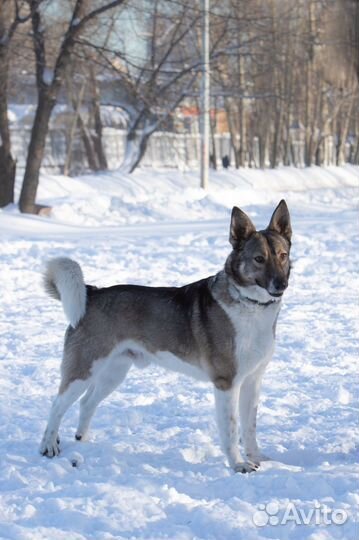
(254, 334)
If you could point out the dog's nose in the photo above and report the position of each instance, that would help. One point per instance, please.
(280, 284)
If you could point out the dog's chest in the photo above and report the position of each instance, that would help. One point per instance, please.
(253, 328)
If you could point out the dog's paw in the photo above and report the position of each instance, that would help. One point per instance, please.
(50, 447)
(81, 435)
(246, 467)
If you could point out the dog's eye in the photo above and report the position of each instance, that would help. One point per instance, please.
(259, 259)
(283, 257)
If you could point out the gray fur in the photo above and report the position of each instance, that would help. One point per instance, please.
(180, 320)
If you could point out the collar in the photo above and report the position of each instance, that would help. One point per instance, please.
(256, 302)
(237, 295)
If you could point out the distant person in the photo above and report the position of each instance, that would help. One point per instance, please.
(225, 162)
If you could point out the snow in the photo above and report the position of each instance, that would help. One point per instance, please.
(21, 115)
(152, 467)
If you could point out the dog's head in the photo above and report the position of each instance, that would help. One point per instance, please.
(259, 265)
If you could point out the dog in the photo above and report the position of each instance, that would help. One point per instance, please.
(220, 329)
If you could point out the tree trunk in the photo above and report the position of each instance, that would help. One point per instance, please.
(241, 118)
(87, 142)
(76, 104)
(277, 81)
(7, 177)
(96, 110)
(212, 125)
(36, 153)
(80, 123)
(307, 114)
(263, 144)
(241, 154)
(231, 114)
(7, 163)
(356, 39)
(136, 144)
(319, 124)
(356, 155)
(276, 136)
(309, 90)
(342, 135)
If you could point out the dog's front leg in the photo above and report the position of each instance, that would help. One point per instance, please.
(248, 405)
(227, 420)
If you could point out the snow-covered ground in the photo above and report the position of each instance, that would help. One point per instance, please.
(153, 467)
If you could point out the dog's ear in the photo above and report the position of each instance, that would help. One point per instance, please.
(280, 221)
(241, 227)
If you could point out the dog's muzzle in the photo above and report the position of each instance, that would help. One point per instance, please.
(278, 286)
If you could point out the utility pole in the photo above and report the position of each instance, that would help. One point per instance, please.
(205, 97)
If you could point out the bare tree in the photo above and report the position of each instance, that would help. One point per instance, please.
(288, 72)
(150, 87)
(11, 15)
(49, 81)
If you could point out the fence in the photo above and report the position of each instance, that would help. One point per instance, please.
(165, 149)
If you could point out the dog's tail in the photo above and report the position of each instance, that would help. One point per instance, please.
(63, 280)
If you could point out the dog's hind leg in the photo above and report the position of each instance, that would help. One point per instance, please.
(106, 381)
(65, 398)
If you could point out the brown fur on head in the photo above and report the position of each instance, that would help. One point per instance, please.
(260, 258)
